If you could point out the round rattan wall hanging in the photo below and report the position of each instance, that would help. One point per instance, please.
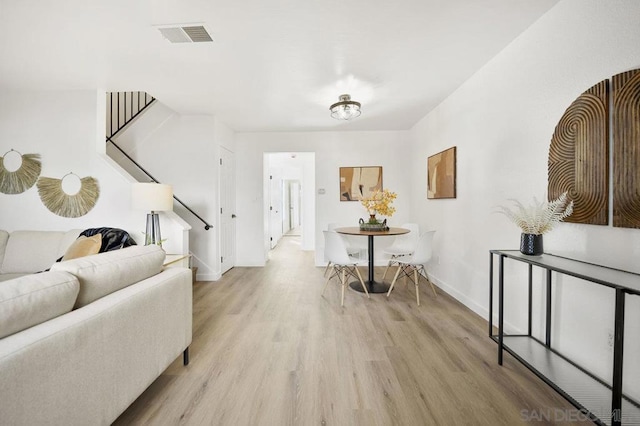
(21, 179)
(54, 197)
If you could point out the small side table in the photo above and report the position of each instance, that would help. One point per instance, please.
(184, 260)
(177, 260)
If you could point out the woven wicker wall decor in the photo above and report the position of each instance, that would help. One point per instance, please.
(579, 156)
(18, 181)
(626, 149)
(59, 202)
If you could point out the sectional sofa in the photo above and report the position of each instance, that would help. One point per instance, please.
(79, 342)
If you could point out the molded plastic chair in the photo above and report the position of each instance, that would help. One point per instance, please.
(353, 251)
(342, 263)
(414, 264)
(403, 245)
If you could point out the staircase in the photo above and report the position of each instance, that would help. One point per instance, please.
(123, 108)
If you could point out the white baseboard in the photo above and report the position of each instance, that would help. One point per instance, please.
(250, 265)
(473, 305)
(209, 277)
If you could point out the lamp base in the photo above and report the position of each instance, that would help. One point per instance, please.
(152, 235)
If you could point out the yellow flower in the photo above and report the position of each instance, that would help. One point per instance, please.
(380, 202)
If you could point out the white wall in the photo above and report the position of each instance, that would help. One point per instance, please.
(332, 151)
(63, 128)
(183, 150)
(502, 120)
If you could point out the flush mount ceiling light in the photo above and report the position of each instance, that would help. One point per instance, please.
(346, 109)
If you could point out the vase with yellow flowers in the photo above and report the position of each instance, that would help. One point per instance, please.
(379, 202)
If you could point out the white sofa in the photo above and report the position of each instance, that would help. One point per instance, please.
(79, 343)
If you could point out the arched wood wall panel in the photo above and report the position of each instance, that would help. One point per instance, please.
(579, 157)
(626, 149)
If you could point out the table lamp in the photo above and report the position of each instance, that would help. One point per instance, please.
(153, 197)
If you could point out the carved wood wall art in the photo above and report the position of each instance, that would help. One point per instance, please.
(579, 156)
(626, 149)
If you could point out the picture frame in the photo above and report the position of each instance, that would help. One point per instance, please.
(441, 174)
(357, 183)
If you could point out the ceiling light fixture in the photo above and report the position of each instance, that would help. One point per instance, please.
(346, 109)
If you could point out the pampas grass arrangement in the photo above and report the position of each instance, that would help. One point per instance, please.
(20, 180)
(539, 217)
(59, 202)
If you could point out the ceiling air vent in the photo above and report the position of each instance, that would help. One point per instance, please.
(188, 33)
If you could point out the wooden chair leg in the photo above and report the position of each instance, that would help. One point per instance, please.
(344, 280)
(426, 276)
(326, 269)
(432, 287)
(395, 278)
(388, 266)
(415, 277)
(362, 282)
(385, 271)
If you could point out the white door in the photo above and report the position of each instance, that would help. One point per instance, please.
(275, 209)
(227, 211)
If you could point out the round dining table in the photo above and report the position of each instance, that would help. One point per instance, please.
(372, 285)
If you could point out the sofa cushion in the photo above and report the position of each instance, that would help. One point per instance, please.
(34, 251)
(83, 246)
(33, 299)
(4, 237)
(104, 273)
(7, 277)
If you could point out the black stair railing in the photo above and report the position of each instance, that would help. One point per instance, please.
(136, 102)
(123, 108)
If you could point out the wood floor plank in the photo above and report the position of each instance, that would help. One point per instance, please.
(268, 349)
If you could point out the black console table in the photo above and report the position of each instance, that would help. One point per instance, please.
(556, 370)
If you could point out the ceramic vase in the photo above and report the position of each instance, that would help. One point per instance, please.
(531, 244)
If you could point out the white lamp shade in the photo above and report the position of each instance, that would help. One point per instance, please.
(155, 197)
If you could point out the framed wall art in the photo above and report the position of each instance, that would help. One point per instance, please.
(357, 183)
(441, 174)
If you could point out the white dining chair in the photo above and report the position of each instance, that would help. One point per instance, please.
(402, 245)
(353, 251)
(413, 266)
(343, 264)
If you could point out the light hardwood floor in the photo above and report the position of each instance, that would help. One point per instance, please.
(268, 349)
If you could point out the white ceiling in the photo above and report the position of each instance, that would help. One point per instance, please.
(274, 65)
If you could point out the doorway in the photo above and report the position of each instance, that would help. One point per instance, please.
(291, 208)
(289, 198)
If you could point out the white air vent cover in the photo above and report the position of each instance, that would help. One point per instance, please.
(185, 33)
